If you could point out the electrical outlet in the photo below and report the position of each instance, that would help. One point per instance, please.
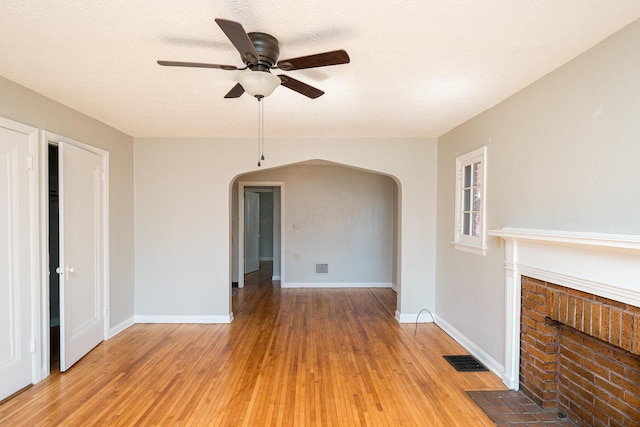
(297, 255)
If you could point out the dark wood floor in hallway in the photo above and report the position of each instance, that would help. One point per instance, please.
(291, 357)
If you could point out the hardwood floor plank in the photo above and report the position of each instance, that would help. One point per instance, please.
(292, 357)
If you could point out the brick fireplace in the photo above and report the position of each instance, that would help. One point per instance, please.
(573, 323)
(580, 353)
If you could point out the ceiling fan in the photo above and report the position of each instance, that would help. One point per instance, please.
(259, 52)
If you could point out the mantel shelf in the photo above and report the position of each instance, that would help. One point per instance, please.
(614, 241)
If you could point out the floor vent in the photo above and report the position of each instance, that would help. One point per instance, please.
(322, 268)
(465, 363)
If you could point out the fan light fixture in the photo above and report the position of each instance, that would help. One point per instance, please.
(259, 53)
(258, 83)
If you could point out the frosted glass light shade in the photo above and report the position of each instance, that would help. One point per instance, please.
(258, 83)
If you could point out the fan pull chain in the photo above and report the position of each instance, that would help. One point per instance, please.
(260, 131)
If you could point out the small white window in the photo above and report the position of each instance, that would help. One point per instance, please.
(471, 175)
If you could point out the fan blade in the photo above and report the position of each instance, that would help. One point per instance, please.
(335, 57)
(240, 39)
(300, 87)
(235, 92)
(198, 64)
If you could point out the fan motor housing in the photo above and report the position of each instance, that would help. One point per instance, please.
(268, 50)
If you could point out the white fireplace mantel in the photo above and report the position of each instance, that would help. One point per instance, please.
(607, 265)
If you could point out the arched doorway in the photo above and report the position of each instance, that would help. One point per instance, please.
(339, 225)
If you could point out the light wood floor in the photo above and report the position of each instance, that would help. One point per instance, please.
(291, 357)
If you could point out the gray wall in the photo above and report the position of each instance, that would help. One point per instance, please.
(562, 155)
(184, 197)
(23, 105)
(344, 217)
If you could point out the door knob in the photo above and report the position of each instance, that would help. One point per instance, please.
(68, 270)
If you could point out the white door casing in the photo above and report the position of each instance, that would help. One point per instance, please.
(18, 254)
(251, 231)
(280, 220)
(82, 322)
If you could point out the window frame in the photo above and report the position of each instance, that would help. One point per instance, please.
(465, 242)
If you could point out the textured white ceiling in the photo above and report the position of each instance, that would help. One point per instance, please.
(418, 67)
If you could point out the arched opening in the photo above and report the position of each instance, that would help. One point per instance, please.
(333, 225)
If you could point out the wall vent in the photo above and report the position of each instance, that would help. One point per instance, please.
(322, 268)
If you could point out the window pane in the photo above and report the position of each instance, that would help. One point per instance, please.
(477, 174)
(477, 202)
(465, 224)
(475, 227)
(467, 176)
(467, 199)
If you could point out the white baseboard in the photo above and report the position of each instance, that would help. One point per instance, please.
(492, 364)
(336, 285)
(184, 319)
(422, 317)
(121, 327)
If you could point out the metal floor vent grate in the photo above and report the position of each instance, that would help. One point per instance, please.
(465, 363)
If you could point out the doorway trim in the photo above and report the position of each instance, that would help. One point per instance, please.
(241, 188)
(41, 319)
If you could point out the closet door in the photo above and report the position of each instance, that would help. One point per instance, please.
(16, 252)
(81, 257)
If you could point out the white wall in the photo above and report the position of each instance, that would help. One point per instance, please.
(183, 193)
(562, 155)
(23, 105)
(344, 217)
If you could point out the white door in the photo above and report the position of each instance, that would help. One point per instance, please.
(81, 257)
(251, 232)
(15, 258)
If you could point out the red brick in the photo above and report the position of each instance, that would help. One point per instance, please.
(627, 330)
(554, 359)
(614, 304)
(609, 364)
(605, 324)
(633, 309)
(584, 408)
(580, 371)
(595, 320)
(631, 388)
(541, 356)
(529, 282)
(632, 400)
(598, 369)
(614, 390)
(630, 360)
(536, 298)
(635, 344)
(545, 336)
(562, 308)
(571, 311)
(631, 412)
(616, 327)
(608, 410)
(579, 315)
(567, 375)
